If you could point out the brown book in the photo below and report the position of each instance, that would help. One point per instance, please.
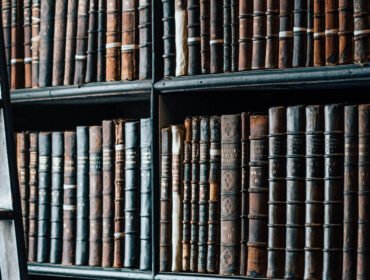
(361, 34)
(27, 17)
(205, 35)
(100, 51)
(145, 39)
(193, 40)
(286, 34)
(216, 37)
(259, 34)
(35, 42)
(245, 34)
(299, 33)
(17, 49)
(272, 34)
(331, 32)
(92, 43)
(130, 41)
(310, 33)
(113, 35)
(227, 34)
(181, 35)
(345, 31)
(319, 33)
(6, 18)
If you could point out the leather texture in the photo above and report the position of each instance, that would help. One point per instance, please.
(331, 33)
(27, 41)
(181, 34)
(113, 36)
(286, 34)
(145, 39)
(299, 33)
(92, 43)
(169, 46)
(193, 38)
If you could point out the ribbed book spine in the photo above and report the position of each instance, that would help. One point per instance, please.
(193, 40)
(331, 32)
(310, 33)
(205, 33)
(27, 17)
(35, 42)
(319, 33)
(100, 51)
(245, 34)
(17, 49)
(227, 35)
(7, 17)
(272, 34)
(145, 39)
(169, 46)
(361, 31)
(181, 35)
(286, 34)
(234, 12)
(299, 33)
(92, 43)
(216, 37)
(259, 34)
(345, 31)
(113, 35)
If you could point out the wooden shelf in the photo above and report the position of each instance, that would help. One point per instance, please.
(191, 276)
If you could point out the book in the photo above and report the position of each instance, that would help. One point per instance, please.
(181, 34)
(345, 32)
(234, 12)
(145, 39)
(113, 37)
(230, 191)
(92, 43)
(17, 49)
(205, 33)
(331, 32)
(272, 34)
(216, 38)
(286, 34)
(319, 33)
(259, 35)
(245, 34)
(361, 36)
(227, 35)
(169, 46)
(101, 45)
(299, 33)
(193, 39)
(310, 33)
(27, 18)
(7, 23)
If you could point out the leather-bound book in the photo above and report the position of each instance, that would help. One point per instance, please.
(82, 217)
(17, 49)
(81, 41)
(350, 205)
(361, 35)
(314, 191)
(6, 18)
(100, 55)
(245, 34)
(70, 47)
(130, 41)
(132, 177)
(165, 219)
(193, 40)
(119, 196)
(230, 192)
(108, 193)
(295, 194)
(245, 123)
(181, 36)
(272, 34)
(33, 201)
(145, 194)
(333, 190)
(234, 35)
(92, 43)
(227, 34)
(345, 31)
(145, 39)
(299, 33)
(258, 196)
(60, 24)
(69, 199)
(169, 46)
(44, 189)
(46, 42)
(331, 32)
(186, 203)
(113, 46)
(259, 34)
(205, 35)
(319, 33)
(214, 195)
(286, 34)
(176, 174)
(27, 17)
(216, 38)
(95, 195)
(57, 165)
(310, 34)
(277, 193)
(35, 42)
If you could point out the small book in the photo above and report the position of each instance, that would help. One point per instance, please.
(169, 46)
(345, 8)
(205, 32)
(272, 34)
(245, 34)
(216, 37)
(331, 33)
(286, 34)
(361, 35)
(100, 51)
(35, 42)
(310, 33)
(17, 49)
(193, 40)
(113, 38)
(259, 34)
(227, 35)
(319, 33)
(145, 39)
(92, 43)
(234, 16)
(181, 35)
(27, 42)
(7, 33)
(299, 33)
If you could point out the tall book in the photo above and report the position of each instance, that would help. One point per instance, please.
(227, 34)
(314, 191)
(169, 46)
(60, 23)
(230, 191)
(333, 189)
(35, 42)
(245, 34)
(216, 37)
(345, 32)
(145, 39)
(299, 33)
(310, 33)
(69, 199)
(132, 177)
(205, 33)
(277, 193)
(361, 34)
(319, 33)
(272, 34)
(176, 182)
(193, 40)
(234, 12)
(286, 34)
(100, 51)
(95, 195)
(82, 196)
(258, 196)
(181, 35)
(108, 132)
(7, 18)
(27, 18)
(165, 207)
(130, 41)
(113, 37)
(92, 43)
(295, 194)
(46, 42)
(145, 194)
(331, 32)
(259, 34)
(57, 165)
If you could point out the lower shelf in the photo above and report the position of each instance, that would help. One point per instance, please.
(192, 276)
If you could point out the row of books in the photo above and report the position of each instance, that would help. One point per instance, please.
(283, 195)
(213, 36)
(86, 194)
(60, 42)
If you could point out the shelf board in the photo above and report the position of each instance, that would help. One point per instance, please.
(85, 272)
(273, 79)
(191, 276)
(87, 93)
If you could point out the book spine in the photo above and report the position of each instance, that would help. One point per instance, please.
(57, 164)
(277, 193)
(331, 32)
(27, 15)
(272, 34)
(165, 219)
(216, 38)
(132, 165)
(234, 35)
(108, 193)
(69, 200)
(7, 18)
(230, 190)
(319, 33)
(119, 197)
(92, 43)
(33, 211)
(310, 34)
(259, 34)
(100, 51)
(35, 42)
(169, 46)
(245, 34)
(295, 194)
(46, 42)
(176, 174)
(17, 49)
(81, 41)
(333, 206)
(193, 40)
(205, 33)
(286, 34)
(113, 41)
(130, 41)
(59, 42)
(145, 194)
(95, 196)
(345, 31)
(44, 189)
(70, 47)
(227, 35)
(299, 33)
(350, 194)
(361, 34)
(145, 39)
(314, 191)
(181, 35)
(82, 222)
(258, 196)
